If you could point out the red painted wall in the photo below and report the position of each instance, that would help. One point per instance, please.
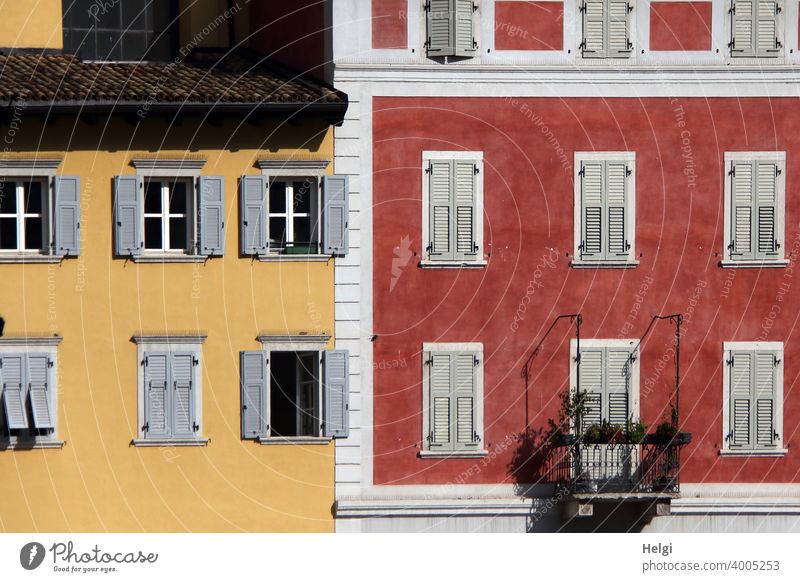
(389, 24)
(680, 26)
(291, 32)
(528, 221)
(528, 26)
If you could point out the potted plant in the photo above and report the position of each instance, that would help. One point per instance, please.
(636, 431)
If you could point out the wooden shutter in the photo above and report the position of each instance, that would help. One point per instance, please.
(253, 375)
(439, 378)
(741, 366)
(742, 33)
(440, 28)
(12, 371)
(764, 396)
(619, 363)
(440, 215)
(766, 209)
(67, 215)
(594, 28)
(156, 397)
(212, 215)
(127, 215)
(336, 422)
(335, 190)
(619, 39)
(182, 371)
(465, 210)
(465, 45)
(253, 213)
(767, 43)
(464, 400)
(590, 383)
(38, 379)
(742, 208)
(616, 195)
(592, 210)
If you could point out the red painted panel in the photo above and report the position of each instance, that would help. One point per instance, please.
(528, 26)
(680, 26)
(529, 147)
(389, 24)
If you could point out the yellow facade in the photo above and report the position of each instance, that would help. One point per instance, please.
(99, 481)
(31, 24)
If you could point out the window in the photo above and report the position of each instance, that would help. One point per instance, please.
(756, 28)
(122, 30)
(28, 387)
(35, 221)
(169, 217)
(752, 419)
(452, 208)
(450, 28)
(294, 394)
(292, 216)
(170, 390)
(754, 209)
(452, 387)
(605, 209)
(606, 29)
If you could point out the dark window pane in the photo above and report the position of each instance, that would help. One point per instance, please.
(106, 14)
(135, 13)
(152, 233)
(33, 233)
(152, 198)
(302, 230)
(8, 197)
(277, 197)
(160, 47)
(302, 197)
(134, 46)
(178, 202)
(33, 198)
(108, 46)
(8, 233)
(178, 228)
(82, 42)
(277, 231)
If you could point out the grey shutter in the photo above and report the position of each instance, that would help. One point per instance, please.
(743, 33)
(253, 215)
(440, 173)
(440, 28)
(157, 412)
(67, 215)
(464, 400)
(337, 408)
(439, 381)
(766, 26)
(766, 210)
(590, 376)
(764, 396)
(741, 404)
(182, 374)
(594, 28)
(38, 379)
(335, 215)
(592, 210)
(253, 381)
(619, 362)
(742, 206)
(616, 195)
(12, 371)
(465, 213)
(465, 45)
(127, 215)
(619, 38)
(212, 215)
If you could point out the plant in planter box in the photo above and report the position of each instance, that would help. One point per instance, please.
(612, 433)
(572, 407)
(636, 431)
(593, 434)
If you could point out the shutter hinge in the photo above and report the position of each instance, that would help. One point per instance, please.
(729, 361)
(778, 43)
(778, 8)
(630, 44)
(583, 7)
(776, 436)
(778, 171)
(627, 246)
(144, 362)
(475, 169)
(630, 7)
(426, 6)
(628, 171)
(475, 437)
(429, 169)
(732, 171)
(474, 43)
(429, 362)
(732, 9)
(146, 427)
(775, 360)
(732, 44)
(195, 427)
(430, 437)
(582, 47)
(577, 358)
(474, 6)
(427, 43)
(582, 171)
(732, 245)
(475, 360)
(195, 361)
(429, 248)
(475, 248)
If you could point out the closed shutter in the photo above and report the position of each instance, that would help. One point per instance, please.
(592, 210)
(754, 28)
(619, 40)
(441, 28)
(616, 192)
(335, 215)
(766, 26)
(590, 383)
(11, 375)
(439, 371)
(253, 378)
(440, 215)
(743, 35)
(127, 215)
(741, 404)
(742, 204)
(38, 379)
(253, 212)
(156, 397)
(463, 400)
(184, 423)
(764, 395)
(465, 209)
(464, 28)
(594, 28)
(67, 215)
(336, 422)
(619, 363)
(766, 200)
(212, 215)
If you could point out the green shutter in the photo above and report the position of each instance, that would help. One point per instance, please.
(766, 209)
(463, 402)
(764, 396)
(440, 28)
(741, 404)
(465, 45)
(590, 383)
(12, 373)
(594, 28)
(465, 209)
(439, 378)
(592, 210)
(616, 194)
(619, 38)
(440, 210)
(742, 210)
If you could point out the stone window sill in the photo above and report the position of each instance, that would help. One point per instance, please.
(169, 258)
(294, 258)
(294, 440)
(779, 452)
(29, 258)
(25, 445)
(199, 442)
(427, 264)
(578, 264)
(477, 454)
(774, 264)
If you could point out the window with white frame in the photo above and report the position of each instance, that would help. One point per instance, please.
(452, 388)
(754, 209)
(452, 208)
(293, 215)
(752, 419)
(169, 217)
(756, 28)
(606, 28)
(605, 209)
(28, 390)
(450, 28)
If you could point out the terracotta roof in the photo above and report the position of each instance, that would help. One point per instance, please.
(208, 79)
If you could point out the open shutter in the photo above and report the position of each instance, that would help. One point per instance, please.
(766, 199)
(592, 210)
(440, 28)
(439, 379)
(336, 422)
(67, 215)
(590, 376)
(253, 212)
(335, 215)
(440, 216)
(463, 401)
(11, 375)
(464, 28)
(741, 245)
(38, 378)
(212, 216)
(619, 363)
(765, 384)
(742, 32)
(594, 28)
(741, 404)
(616, 208)
(465, 213)
(767, 43)
(253, 381)
(619, 37)
(127, 215)
(156, 398)
(182, 373)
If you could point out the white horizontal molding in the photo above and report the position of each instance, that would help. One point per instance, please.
(297, 342)
(453, 454)
(775, 264)
(169, 258)
(169, 338)
(30, 445)
(299, 440)
(736, 506)
(26, 341)
(28, 258)
(171, 442)
(194, 164)
(295, 258)
(605, 264)
(30, 166)
(292, 167)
